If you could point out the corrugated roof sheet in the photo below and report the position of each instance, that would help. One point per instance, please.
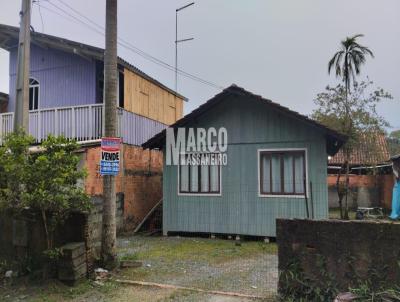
(371, 150)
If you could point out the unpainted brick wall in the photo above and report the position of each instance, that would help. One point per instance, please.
(373, 190)
(139, 180)
(349, 248)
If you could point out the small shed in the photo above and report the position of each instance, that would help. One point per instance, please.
(276, 168)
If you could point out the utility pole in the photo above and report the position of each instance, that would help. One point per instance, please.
(21, 116)
(109, 233)
(178, 41)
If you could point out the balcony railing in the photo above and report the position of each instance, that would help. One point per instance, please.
(83, 123)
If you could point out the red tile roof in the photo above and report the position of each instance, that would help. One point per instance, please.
(371, 150)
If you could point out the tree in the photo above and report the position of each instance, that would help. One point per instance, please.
(14, 163)
(44, 182)
(336, 109)
(109, 233)
(393, 142)
(52, 184)
(347, 63)
(395, 134)
(348, 60)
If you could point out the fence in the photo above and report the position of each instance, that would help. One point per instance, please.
(83, 123)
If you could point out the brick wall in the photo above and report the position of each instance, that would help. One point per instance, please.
(346, 248)
(139, 180)
(372, 190)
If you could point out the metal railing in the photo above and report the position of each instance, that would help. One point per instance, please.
(83, 123)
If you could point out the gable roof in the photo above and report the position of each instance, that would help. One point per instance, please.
(9, 39)
(370, 150)
(334, 139)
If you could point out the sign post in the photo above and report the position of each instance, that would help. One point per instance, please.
(110, 155)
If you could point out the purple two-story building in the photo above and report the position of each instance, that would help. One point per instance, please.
(66, 92)
(66, 98)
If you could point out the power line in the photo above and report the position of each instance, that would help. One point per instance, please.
(124, 43)
(40, 13)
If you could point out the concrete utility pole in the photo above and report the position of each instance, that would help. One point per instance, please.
(109, 233)
(21, 116)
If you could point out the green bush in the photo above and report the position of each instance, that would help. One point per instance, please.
(41, 179)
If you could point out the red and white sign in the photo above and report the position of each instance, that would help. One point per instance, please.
(110, 147)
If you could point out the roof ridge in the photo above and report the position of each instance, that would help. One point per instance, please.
(235, 90)
(100, 52)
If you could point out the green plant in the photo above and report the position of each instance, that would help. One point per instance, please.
(43, 181)
(295, 285)
(3, 266)
(14, 170)
(354, 114)
(366, 292)
(53, 254)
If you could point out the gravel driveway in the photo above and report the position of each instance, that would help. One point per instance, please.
(213, 264)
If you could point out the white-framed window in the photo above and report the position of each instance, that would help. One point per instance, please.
(282, 172)
(198, 179)
(33, 94)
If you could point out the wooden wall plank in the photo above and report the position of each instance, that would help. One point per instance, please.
(147, 99)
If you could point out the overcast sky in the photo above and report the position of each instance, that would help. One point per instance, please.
(278, 49)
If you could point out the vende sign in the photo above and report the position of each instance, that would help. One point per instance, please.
(110, 153)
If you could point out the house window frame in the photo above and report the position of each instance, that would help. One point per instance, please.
(280, 194)
(34, 86)
(188, 193)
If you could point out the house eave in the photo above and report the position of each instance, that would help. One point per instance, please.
(334, 139)
(9, 39)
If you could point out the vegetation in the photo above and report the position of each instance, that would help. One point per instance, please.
(295, 285)
(338, 110)
(347, 64)
(350, 108)
(393, 142)
(348, 60)
(42, 181)
(395, 134)
(198, 249)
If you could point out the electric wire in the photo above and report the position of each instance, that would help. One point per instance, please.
(123, 43)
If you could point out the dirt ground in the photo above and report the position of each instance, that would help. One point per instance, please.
(210, 264)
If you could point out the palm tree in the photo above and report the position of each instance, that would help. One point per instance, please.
(347, 63)
(109, 237)
(348, 60)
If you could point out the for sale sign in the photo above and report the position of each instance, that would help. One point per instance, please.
(110, 154)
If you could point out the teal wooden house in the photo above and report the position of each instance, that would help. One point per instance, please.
(276, 168)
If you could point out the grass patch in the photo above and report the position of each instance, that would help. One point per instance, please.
(54, 291)
(335, 214)
(198, 249)
(129, 257)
